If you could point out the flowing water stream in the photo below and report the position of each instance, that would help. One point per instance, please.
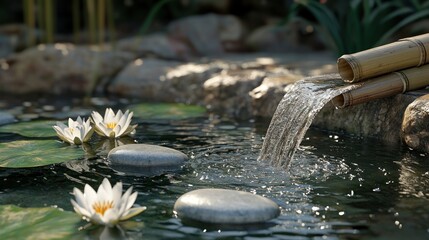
(294, 115)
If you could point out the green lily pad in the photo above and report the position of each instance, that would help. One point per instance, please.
(31, 129)
(173, 111)
(35, 153)
(37, 223)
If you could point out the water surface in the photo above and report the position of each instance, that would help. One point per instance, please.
(338, 187)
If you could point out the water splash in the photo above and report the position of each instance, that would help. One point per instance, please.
(294, 115)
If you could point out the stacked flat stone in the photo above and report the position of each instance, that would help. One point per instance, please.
(223, 206)
(145, 159)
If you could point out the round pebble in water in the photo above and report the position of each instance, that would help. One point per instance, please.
(222, 206)
(145, 159)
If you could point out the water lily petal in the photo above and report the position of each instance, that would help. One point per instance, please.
(104, 131)
(97, 218)
(60, 133)
(90, 197)
(124, 122)
(118, 129)
(117, 194)
(130, 130)
(118, 116)
(124, 200)
(80, 210)
(110, 217)
(68, 135)
(61, 125)
(79, 120)
(80, 198)
(106, 185)
(88, 135)
(131, 200)
(71, 123)
(109, 115)
(104, 195)
(132, 212)
(96, 117)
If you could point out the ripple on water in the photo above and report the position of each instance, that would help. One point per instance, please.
(327, 192)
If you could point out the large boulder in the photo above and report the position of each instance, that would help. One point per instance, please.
(295, 36)
(228, 92)
(209, 34)
(59, 68)
(266, 97)
(158, 44)
(164, 80)
(415, 124)
(185, 83)
(143, 78)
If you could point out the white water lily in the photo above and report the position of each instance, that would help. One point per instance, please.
(113, 125)
(107, 206)
(77, 132)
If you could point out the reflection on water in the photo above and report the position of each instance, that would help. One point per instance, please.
(338, 187)
(414, 175)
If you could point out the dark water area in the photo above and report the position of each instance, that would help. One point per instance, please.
(337, 187)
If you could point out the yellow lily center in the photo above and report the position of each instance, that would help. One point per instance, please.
(111, 125)
(102, 207)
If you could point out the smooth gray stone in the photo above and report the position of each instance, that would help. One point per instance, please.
(145, 159)
(222, 206)
(6, 118)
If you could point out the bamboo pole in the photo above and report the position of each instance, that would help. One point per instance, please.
(40, 18)
(92, 22)
(30, 21)
(111, 22)
(49, 20)
(76, 21)
(385, 86)
(402, 54)
(101, 9)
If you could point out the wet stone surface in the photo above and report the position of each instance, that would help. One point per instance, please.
(223, 206)
(6, 118)
(145, 159)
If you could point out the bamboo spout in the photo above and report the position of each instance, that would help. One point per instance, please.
(402, 54)
(385, 86)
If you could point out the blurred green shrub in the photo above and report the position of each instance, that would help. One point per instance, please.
(356, 25)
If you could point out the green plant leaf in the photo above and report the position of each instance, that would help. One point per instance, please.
(329, 24)
(168, 111)
(41, 128)
(38, 223)
(35, 153)
(404, 22)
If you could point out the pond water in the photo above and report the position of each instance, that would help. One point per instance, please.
(338, 187)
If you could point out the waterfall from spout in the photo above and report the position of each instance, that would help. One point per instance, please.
(294, 115)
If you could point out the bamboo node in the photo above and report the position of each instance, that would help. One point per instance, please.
(421, 46)
(405, 81)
